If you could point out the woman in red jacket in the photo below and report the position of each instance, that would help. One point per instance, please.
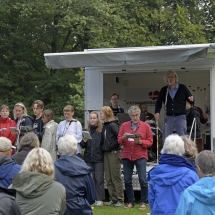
(6, 123)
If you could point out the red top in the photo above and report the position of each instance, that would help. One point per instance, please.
(132, 150)
(7, 123)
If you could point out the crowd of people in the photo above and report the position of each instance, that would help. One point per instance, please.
(43, 171)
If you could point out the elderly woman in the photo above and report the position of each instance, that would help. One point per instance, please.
(199, 198)
(6, 123)
(74, 174)
(49, 135)
(135, 153)
(171, 177)
(190, 149)
(28, 142)
(36, 190)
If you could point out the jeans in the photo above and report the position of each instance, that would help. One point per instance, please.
(177, 122)
(128, 167)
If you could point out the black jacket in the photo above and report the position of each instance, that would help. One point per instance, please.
(176, 105)
(20, 156)
(192, 113)
(38, 127)
(26, 120)
(109, 136)
(117, 110)
(8, 203)
(93, 148)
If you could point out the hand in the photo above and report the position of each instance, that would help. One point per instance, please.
(190, 98)
(85, 139)
(137, 141)
(157, 116)
(17, 131)
(124, 137)
(205, 116)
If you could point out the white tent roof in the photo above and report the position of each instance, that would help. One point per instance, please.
(149, 57)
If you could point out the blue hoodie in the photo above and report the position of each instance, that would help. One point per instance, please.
(167, 181)
(8, 169)
(73, 173)
(198, 199)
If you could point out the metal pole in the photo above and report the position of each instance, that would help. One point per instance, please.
(157, 139)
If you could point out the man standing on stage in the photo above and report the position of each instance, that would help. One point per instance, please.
(174, 97)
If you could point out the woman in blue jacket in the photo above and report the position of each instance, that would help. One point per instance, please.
(170, 178)
(74, 174)
(199, 198)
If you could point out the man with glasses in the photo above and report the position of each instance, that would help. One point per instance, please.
(135, 136)
(114, 100)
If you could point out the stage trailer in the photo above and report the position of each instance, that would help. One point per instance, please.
(136, 74)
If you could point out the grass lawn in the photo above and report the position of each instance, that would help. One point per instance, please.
(112, 210)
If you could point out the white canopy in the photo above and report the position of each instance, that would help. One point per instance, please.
(127, 56)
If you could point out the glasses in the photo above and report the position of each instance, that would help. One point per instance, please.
(114, 98)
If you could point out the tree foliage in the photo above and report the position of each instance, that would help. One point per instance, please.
(28, 29)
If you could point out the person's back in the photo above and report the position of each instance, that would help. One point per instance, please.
(27, 143)
(8, 203)
(199, 198)
(73, 173)
(168, 181)
(8, 168)
(171, 177)
(38, 193)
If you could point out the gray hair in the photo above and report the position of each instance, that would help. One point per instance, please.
(173, 144)
(67, 145)
(134, 108)
(190, 147)
(169, 72)
(29, 139)
(206, 162)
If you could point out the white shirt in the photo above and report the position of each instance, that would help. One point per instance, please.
(73, 128)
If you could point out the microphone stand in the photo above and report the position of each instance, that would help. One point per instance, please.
(165, 108)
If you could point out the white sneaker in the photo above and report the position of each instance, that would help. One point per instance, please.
(99, 203)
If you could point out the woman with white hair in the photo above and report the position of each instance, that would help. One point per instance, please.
(75, 175)
(171, 177)
(36, 190)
